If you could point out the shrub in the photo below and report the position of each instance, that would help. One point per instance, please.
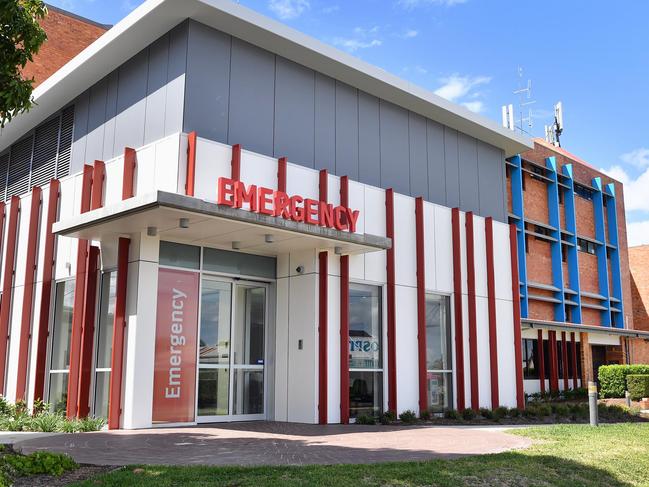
(500, 412)
(40, 462)
(388, 417)
(560, 410)
(408, 416)
(452, 414)
(612, 378)
(468, 414)
(486, 413)
(91, 424)
(71, 426)
(638, 386)
(365, 419)
(47, 422)
(513, 412)
(425, 415)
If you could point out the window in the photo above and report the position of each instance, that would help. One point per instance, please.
(530, 358)
(536, 172)
(564, 253)
(538, 229)
(584, 192)
(104, 340)
(586, 246)
(60, 352)
(365, 351)
(439, 373)
(179, 255)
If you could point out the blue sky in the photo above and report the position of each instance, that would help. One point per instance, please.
(591, 55)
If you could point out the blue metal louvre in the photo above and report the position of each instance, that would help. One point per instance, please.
(45, 150)
(65, 142)
(4, 167)
(19, 167)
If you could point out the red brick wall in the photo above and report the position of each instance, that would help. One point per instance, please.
(639, 264)
(67, 36)
(536, 208)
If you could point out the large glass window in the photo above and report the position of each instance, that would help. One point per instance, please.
(104, 342)
(439, 368)
(365, 350)
(60, 351)
(530, 358)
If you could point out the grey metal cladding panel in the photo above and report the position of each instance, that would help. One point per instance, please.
(395, 172)
(252, 97)
(294, 112)
(175, 92)
(156, 92)
(369, 145)
(207, 82)
(131, 102)
(418, 156)
(79, 133)
(436, 165)
(96, 119)
(469, 190)
(346, 131)
(325, 123)
(111, 111)
(491, 163)
(452, 168)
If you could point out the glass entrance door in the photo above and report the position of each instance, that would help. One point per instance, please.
(232, 351)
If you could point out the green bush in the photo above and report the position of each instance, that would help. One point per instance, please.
(452, 414)
(513, 412)
(500, 412)
(92, 424)
(40, 462)
(612, 378)
(425, 415)
(486, 413)
(468, 414)
(47, 422)
(638, 386)
(408, 416)
(388, 417)
(365, 419)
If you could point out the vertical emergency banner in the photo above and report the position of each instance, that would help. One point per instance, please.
(174, 380)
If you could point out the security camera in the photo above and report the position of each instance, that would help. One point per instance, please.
(299, 269)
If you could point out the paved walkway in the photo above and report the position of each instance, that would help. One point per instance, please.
(268, 443)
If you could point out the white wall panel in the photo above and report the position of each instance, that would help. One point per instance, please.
(502, 261)
(466, 350)
(374, 209)
(14, 341)
(333, 345)
(357, 267)
(144, 178)
(259, 170)
(430, 257)
(506, 358)
(480, 256)
(212, 161)
(443, 250)
(357, 202)
(405, 250)
(168, 160)
(22, 237)
(302, 181)
(406, 344)
(281, 350)
(333, 191)
(484, 365)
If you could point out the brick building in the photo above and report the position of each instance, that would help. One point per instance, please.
(573, 259)
(67, 35)
(639, 266)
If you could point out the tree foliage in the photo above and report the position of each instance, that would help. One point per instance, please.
(21, 36)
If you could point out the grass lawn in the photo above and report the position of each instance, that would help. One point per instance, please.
(563, 455)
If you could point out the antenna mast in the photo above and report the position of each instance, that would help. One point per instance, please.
(524, 93)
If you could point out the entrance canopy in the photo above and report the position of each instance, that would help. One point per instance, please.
(192, 220)
(569, 327)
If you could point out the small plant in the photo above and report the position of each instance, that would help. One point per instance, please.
(452, 414)
(388, 417)
(40, 407)
(500, 412)
(425, 415)
(638, 386)
(560, 410)
(40, 462)
(71, 426)
(408, 416)
(91, 424)
(513, 412)
(365, 419)
(47, 422)
(468, 414)
(486, 413)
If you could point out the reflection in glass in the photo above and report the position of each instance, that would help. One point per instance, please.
(180, 255)
(216, 301)
(248, 346)
(58, 395)
(106, 319)
(365, 393)
(62, 327)
(248, 391)
(439, 391)
(213, 391)
(438, 353)
(364, 327)
(102, 387)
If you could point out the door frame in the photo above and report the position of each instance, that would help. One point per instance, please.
(234, 282)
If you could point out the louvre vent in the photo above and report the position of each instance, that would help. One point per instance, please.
(65, 144)
(19, 165)
(42, 155)
(45, 148)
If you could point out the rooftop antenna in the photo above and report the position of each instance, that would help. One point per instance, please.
(553, 132)
(524, 93)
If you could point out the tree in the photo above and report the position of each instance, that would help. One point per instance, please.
(21, 36)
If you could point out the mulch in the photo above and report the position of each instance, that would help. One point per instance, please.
(84, 472)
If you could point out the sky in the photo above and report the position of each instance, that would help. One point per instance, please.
(593, 56)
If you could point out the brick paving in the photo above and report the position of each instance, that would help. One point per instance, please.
(269, 443)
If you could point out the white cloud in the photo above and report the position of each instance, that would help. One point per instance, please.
(410, 33)
(288, 9)
(638, 157)
(635, 189)
(362, 38)
(475, 106)
(410, 4)
(458, 88)
(637, 233)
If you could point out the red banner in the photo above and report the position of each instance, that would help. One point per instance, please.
(174, 379)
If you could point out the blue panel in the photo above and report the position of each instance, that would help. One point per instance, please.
(600, 251)
(436, 165)
(614, 256)
(452, 168)
(96, 118)
(131, 102)
(346, 131)
(369, 147)
(519, 212)
(572, 253)
(554, 218)
(418, 156)
(325, 123)
(468, 164)
(156, 101)
(395, 161)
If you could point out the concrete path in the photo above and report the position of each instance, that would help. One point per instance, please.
(268, 443)
(14, 437)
